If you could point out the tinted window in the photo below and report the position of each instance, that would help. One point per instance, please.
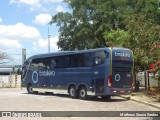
(73, 61)
(62, 61)
(57, 62)
(81, 60)
(70, 61)
(51, 63)
(85, 60)
(25, 68)
(89, 59)
(38, 63)
(100, 57)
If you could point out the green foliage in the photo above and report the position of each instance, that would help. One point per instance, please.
(156, 72)
(134, 24)
(143, 32)
(116, 38)
(85, 27)
(143, 35)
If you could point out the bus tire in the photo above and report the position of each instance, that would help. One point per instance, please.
(72, 92)
(106, 97)
(29, 89)
(83, 93)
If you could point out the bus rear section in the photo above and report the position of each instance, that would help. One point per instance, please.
(120, 79)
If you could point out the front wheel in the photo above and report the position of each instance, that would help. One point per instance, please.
(29, 89)
(83, 93)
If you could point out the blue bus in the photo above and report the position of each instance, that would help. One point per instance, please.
(101, 72)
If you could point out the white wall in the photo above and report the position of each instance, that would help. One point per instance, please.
(140, 77)
(10, 81)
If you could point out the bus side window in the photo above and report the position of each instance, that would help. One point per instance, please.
(80, 60)
(34, 64)
(72, 61)
(62, 61)
(52, 63)
(38, 64)
(89, 60)
(100, 57)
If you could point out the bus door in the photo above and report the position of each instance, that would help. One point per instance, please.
(99, 71)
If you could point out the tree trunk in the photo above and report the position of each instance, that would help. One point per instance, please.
(148, 80)
(145, 80)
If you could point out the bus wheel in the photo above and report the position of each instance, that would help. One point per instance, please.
(83, 93)
(29, 89)
(106, 97)
(72, 92)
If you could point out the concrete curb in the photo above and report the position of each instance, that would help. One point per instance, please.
(146, 103)
(126, 97)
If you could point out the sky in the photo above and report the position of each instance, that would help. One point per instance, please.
(24, 24)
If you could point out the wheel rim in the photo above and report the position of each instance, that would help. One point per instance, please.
(82, 93)
(30, 89)
(72, 92)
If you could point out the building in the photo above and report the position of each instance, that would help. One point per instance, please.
(9, 69)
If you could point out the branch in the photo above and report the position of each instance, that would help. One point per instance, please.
(4, 58)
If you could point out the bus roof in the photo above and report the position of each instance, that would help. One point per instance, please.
(59, 53)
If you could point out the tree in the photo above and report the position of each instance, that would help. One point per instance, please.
(155, 63)
(4, 58)
(144, 34)
(151, 9)
(116, 37)
(84, 28)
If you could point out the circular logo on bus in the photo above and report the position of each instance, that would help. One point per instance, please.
(35, 77)
(117, 77)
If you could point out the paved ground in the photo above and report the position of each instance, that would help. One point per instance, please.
(143, 96)
(19, 100)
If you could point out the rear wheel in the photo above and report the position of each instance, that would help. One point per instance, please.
(83, 93)
(72, 92)
(29, 89)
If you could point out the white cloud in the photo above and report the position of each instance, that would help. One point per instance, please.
(54, 1)
(19, 32)
(27, 2)
(1, 19)
(42, 19)
(7, 44)
(37, 4)
(43, 43)
(12, 36)
(59, 9)
(34, 4)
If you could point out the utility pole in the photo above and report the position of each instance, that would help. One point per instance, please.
(23, 55)
(48, 41)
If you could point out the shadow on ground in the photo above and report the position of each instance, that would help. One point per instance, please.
(90, 98)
